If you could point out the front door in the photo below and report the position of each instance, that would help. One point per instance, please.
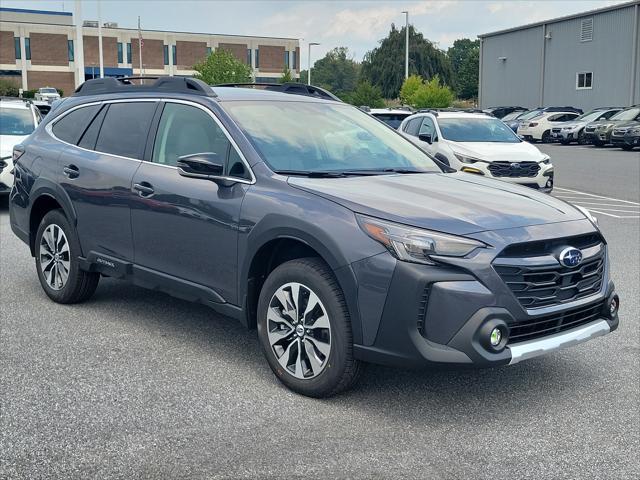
(185, 230)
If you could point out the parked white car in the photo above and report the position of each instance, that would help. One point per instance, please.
(539, 128)
(18, 119)
(47, 94)
(391, 116)
(480, 144)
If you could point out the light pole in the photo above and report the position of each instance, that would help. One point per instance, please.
(309, 60)
(406, 51)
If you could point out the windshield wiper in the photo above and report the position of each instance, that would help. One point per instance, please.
(312, 173)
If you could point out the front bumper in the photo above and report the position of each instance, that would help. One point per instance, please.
(543, 180)
(565, 136)
(630, 140)
(442, 315)
(6, 177)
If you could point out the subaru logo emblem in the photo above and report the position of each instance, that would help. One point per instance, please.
(570, 257)
(515, 165)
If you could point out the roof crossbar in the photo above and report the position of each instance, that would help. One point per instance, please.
(288, 87)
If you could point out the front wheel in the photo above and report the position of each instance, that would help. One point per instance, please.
(628, 148)
(582, 138)
(546, 137)
(57, 250)
(305, 329)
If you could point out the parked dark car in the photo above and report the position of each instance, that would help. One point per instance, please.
(626, 136)
(599, 133)
(308, 219)
(500, 112)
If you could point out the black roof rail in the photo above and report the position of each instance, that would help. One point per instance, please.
(428, 110)
(105, 85)
(288, 87)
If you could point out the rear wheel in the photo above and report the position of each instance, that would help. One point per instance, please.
(57, 250)
(305, 329)
(582, 139)
(598, 143)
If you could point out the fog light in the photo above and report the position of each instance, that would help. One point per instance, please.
(549, 183)
(496, 337)
(613, 306)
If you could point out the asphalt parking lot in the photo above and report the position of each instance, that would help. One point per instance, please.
(135, 384)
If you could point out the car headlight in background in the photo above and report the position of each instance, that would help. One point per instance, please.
(415, 244)
(546, 160)
(569, 129)
(467, 159)
(634, 131)
(605, 126)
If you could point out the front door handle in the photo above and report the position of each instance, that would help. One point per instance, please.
(144, 189)
(71, 171)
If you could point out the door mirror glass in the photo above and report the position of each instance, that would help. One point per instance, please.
(425, 137)
(200, 165)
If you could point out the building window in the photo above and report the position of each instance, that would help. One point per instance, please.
(208, 51)
(27, 48)
(129, 53)
(249, 56)
(166, 54)
(257, 58)
(70, 50)
(584, 80)
(16, 46)
(586, 30)
(174, 54)
(294, 58)
(120, 59)
(286, 59)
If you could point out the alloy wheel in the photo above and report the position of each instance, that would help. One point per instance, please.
(299, 330)
(54, 257)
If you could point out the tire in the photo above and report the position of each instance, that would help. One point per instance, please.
(546, 137)
(565, 142)
(627, 148)
(57, 244)
(598, 143)
(582, 139)
(328, 343)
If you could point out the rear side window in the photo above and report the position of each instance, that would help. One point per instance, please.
(70, 127)
(89, 137)
(125, 128)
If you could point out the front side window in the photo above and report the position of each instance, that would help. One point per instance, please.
(476, 130)
(307, 137)
(125, 128)
(16, 121)
(70, 127)
(584, 80)
(186, 130)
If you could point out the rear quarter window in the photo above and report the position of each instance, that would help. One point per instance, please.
(125, 128)
(71, 126)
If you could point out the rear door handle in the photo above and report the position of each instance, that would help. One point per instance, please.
(144, 189)
(71, 171)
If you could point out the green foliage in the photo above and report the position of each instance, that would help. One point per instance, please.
(430, 94)
(384, 66)
(410, 86)
(222, 66)
(8, 88)
(286, 76)
(465, 61)
(336, 71)
(365, 94)
(29, 93)
(60, 92)
(303, 76)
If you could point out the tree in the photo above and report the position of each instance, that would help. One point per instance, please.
(410, 86)
(430, 94)
(336, 71)
(465, 61)
(384, 66)
(365, 94)
(222, 66)
(286, 76)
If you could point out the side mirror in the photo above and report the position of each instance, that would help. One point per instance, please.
(200, 165)
(425, 137)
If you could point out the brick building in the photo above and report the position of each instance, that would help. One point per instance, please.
(39, 48)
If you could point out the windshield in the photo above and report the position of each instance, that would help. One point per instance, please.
(392, 119)
(476, 130)
(312, 137)
(589, 116)
(629, 114)
(48, 90)
(16, 121)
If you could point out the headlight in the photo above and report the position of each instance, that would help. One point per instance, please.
(546, 160)
(568, 129)
(634, 131)
(467, 159)
(605, 126)
(587, 214)
(414, 244)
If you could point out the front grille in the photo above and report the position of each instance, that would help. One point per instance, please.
(514, 169)
(526, 270)
(554, 323)
(589, 129)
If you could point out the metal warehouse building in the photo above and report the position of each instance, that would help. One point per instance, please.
(585, 60)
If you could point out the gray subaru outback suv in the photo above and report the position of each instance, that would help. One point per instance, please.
(305, 218)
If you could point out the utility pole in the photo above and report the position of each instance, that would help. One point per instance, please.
(78, 58)
(140, 48)
(406, 50)
(309, 61)
(100, 41)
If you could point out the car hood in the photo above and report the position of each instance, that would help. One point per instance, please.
(493, 151)
(572, 124)
(7, 143)
(456, 203)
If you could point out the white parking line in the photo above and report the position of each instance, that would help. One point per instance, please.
(599, 204)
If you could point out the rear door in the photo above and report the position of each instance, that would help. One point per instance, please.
(97, 174)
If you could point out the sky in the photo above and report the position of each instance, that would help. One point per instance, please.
(358, 25)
